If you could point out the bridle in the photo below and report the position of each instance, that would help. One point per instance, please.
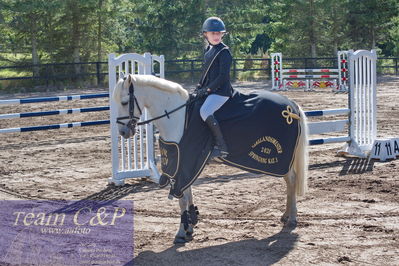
(133, 120)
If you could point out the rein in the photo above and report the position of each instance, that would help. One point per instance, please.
(166, 113)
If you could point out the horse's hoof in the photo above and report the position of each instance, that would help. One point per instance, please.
(183, 239)
(189, 236)
(179, 240)
(290, 224)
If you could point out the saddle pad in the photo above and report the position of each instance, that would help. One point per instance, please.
(261, 132)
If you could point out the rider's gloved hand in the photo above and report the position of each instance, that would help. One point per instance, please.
(202, 92)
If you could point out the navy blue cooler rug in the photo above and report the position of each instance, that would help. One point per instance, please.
(261, 131)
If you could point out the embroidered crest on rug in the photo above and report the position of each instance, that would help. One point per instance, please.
(170, 158)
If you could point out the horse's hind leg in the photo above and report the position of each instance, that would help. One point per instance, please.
(289, 216)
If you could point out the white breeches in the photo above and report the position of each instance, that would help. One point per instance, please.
(212, 103)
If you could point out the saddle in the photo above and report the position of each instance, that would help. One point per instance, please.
(261, 131)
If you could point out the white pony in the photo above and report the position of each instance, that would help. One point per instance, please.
(136, 92)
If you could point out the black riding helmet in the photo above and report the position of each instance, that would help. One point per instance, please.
(213, 24)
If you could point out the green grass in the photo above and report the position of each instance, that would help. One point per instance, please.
(12, 73)
(7, 59)
(251, 75)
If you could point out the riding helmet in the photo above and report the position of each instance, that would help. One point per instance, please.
(214, 24)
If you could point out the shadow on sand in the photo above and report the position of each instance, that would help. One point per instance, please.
(349, 166)
(245, 252)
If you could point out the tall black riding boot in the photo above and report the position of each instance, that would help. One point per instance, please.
(220, 149)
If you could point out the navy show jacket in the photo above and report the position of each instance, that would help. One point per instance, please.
(218, 76)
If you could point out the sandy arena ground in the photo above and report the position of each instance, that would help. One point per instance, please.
(350, 215)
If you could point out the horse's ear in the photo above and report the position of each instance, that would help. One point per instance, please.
(121, 74)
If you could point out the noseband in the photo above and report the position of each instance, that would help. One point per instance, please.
(132, 119)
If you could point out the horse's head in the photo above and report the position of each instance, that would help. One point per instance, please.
(128, 109)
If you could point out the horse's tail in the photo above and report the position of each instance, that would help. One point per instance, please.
(301, 156)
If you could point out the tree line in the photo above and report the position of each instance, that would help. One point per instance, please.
(43, 31)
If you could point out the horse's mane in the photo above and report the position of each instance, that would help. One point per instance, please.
(162, 84)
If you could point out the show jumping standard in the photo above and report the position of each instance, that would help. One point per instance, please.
(166, 101)
(309, 79)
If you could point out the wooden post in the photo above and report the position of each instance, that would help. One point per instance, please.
(234, 69)
(46, 75)
(269, 62)
(98, 74)
(192, 71)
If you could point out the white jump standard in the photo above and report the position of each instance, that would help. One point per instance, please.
(361, 121)
(134, 157)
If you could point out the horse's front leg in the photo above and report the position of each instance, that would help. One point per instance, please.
(289, 216)
(188, 218)
(192, 211)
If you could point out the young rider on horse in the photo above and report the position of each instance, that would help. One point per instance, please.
(215, 81)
